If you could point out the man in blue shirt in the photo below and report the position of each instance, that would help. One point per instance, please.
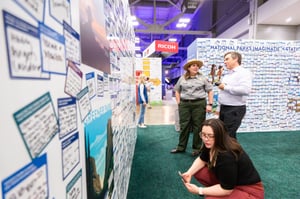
(235, 87)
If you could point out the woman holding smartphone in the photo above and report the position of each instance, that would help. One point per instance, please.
(223, 167)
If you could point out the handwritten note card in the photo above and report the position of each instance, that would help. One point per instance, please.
(73, 80)
(67, 115)
(70, 154)
(29, 182)
(90, 81)
(33, 7)
(72, 43)
(24, 53)
(106, 82)
(37, 124)
(53, 50)
(100, 86)
(74, 188)
(60, 10)
(84, 103)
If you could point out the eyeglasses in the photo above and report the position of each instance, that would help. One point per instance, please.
(206, 136)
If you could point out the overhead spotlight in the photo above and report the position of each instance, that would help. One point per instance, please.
(184, 20)
(181, 25)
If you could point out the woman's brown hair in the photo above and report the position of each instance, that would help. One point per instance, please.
(223, 142)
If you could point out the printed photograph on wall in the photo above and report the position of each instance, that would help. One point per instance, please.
(94, 44)
(99, 154)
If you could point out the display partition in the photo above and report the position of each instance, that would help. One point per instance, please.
(68, 125)
(152, 68)
(274, 103)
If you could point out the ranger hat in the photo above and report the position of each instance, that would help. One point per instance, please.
(191, 62)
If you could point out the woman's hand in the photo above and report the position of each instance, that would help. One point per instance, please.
(192, 188)
(186, 177)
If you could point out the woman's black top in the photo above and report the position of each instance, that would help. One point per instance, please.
(231, 172)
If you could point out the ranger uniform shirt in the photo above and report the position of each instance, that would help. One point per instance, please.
(193, 87)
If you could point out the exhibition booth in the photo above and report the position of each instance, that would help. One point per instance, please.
(68, 112)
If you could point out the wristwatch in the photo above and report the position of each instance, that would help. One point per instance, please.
(200, 191)
(209, 104)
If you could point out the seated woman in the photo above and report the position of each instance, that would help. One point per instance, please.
(223, 167)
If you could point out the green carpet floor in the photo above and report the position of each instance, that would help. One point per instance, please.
(276, 156)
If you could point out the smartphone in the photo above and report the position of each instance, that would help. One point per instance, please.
(179, 173)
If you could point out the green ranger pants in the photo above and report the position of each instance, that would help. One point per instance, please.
(191, 116)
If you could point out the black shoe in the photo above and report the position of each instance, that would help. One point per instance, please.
(176, 151)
